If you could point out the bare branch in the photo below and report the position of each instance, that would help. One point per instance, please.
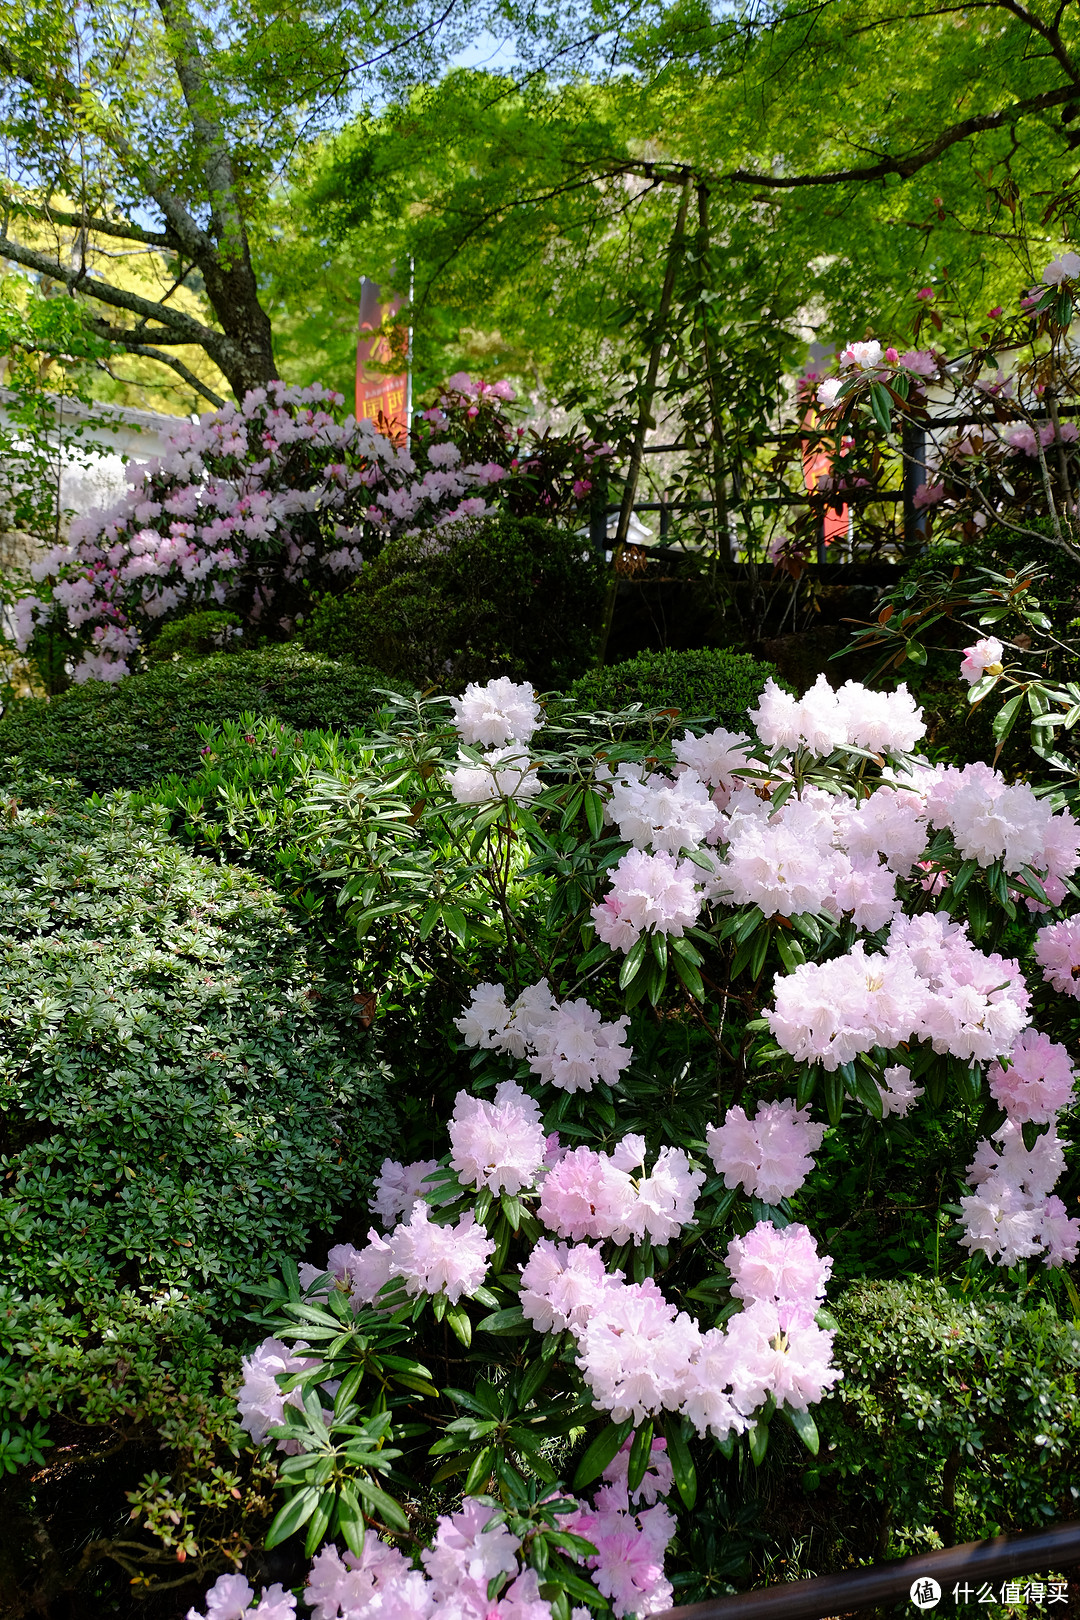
(118, 297)
(179, 367)
(107, 227)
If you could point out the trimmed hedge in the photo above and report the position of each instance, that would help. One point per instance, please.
(495, 595)
(705, 682)
(956, 1417)
(145, 727)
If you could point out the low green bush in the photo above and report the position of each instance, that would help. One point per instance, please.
(956, 1417)
(145, 727)
(495, 595)
(199, 635)
(187, 1097)
(705, 681)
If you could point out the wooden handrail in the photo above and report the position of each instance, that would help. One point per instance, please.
(972, 1563)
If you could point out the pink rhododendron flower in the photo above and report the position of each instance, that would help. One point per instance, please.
(432, 1259)
(1057, 951)
(227, 1599)
(828, 391)
(634, 1354)
(648, 894)
(660, 812)
(261, 1401)
(769, 1155)
(575, 1047)
(1038, 1082)
(717, 757)
(587, 1196)
(499, 712)
(562, 1286)
(899, 1092)
(398, 1186)
(505, 773)
(1061, 270)
(985, 657)
(499, 1145)
(656, 1481)
(864, 355)
(829, 1012)
(781, 1266)
(465, 1549)
(927, 495)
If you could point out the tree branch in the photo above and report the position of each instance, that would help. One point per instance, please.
(179, 367)
(107, 227)
(193, 331)
(912, 162)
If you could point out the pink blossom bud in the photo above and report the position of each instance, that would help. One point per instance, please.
(925, 293)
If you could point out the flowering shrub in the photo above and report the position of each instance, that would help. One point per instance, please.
(258, 506)
(615, 1227)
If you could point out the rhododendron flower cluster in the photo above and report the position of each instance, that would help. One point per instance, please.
(930, 982)
(596, 1195)
(649, 894)
(499, 712)
(984, 657)
(501, 773)
(661, 812)
(824, 719)
(769, 1155)
(1057, 951)
(499, 1145)
(470, 1549)
(1012, 1215)
(1037, 1081)
(994, 820)
(568, 1045)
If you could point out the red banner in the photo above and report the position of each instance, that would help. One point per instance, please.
(379, 393)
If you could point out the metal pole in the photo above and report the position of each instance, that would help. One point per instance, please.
(971, 1564)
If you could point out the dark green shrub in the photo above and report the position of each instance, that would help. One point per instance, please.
(707, 681)
(144, 727)
(956, 1418)
(187, 1098)
(197, 636)
(489, 596)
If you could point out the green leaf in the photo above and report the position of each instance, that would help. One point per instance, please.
(378, 1501)
(296, 1512)
(319, 1523)
(350, 1519)
(510, 1321)
(640, 1452)
(1006, 717)
(594, 812)
(759, 1443)
(634, 958)
(601, 1452)
(832, 1086)
(458, 1318)
(682, 1464)
(805, 1428)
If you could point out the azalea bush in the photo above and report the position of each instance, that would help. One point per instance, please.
(261, 506)
(676, 973)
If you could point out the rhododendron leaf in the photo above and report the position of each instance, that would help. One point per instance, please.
(659, 946)
(573, 805)
(456, 923)
(484, 1296)
(963, 877)
(758, 1436)
(479, 1470)
(1006, 717)
(601, 1452)
(640, 1453)
(881, 406)
(634, 958)
(347, 1389)
(511, 1208)
(429, 919)
(805, 1428)
(761, 948)
(806, 1084)
(453, 1465)
(296, 1512)
(319, 1523)
(832, 1086)
(377, 1501)
(594, 812)
(689, 975)
(532, 1382)
(637, 991)
(460, 1324)
(438, 1306)
(791, 952)
(682, 1464)
(350, 1519)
